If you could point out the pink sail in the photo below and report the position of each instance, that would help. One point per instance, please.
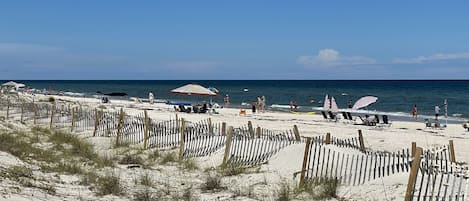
(334, 107)
(327, 103)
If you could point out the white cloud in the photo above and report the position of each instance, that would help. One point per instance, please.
(332, 58)
(435, 57)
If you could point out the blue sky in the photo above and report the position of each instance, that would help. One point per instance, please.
(234, 40)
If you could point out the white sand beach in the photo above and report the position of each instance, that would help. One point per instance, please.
(261, 183)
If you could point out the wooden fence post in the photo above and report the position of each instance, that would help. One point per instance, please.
(227, 145)
(362, 143)
(258, 132)
(210, 126)
(52, 115)
(305, 161)
(147, 129)
(8, 107)
(120, 124)
(413, 174)
(223, 128)
(328, 138)
(22, 110)
(182, 139)
(452, 156)
(96, 121)
(35, 113)
(413, 148)
(73, 119)
(251, 129)
(297, 133)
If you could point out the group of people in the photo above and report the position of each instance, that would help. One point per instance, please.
(415, 113)
(258, 105)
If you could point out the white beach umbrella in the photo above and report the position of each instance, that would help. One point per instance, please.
(10, 84)
(193, 90)
(364, 101)
(334, 107)
(327, 103)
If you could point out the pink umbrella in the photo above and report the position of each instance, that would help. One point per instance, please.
(364, 101)
(327, 103)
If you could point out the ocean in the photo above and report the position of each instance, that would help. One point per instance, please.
(395, 97)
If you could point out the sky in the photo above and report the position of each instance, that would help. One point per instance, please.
(166, 40)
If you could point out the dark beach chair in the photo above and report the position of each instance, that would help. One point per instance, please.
(428, 124)
(349, 115)
(182, 108)
(331, 115)
(345, 115)
(385, 119)
(376, 118)
(324, 114)
(195, 108)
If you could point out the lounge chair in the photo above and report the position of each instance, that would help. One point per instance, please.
(428, 124)
(332, 115)
(349, 116)
(377, 118)
(385, 119)
(324, 114)
(345, 115)
(195, 108)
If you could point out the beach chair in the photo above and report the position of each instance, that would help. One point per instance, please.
(345, 115)
(332, 115)
(349, 116)
(324, 115)
(428, 124)
(385, 119)
(376, 118)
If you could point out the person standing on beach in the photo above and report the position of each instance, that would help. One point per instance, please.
(350, 104)
(414, 111)
(227, 100)
(291, 105)
(258, 104)
(263, 104)
(437, 111)
(151, 97)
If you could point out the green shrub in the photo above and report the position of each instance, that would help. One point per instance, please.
(189, 164)
(131, 159)
(212, 182)
(109, 184)
(146, 195)
(284, 194)
(168, 157)
(321, 188)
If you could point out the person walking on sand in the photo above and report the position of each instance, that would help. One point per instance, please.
(263, 104)
(437, 111)
(151, 97)
(414, 111)
(227, 100)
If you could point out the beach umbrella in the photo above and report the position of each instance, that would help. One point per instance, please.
(334, 107)
(193, 90)
(10, 84)
(327, 103)
(364, 101)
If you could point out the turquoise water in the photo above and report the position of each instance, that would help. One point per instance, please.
(395, 97)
